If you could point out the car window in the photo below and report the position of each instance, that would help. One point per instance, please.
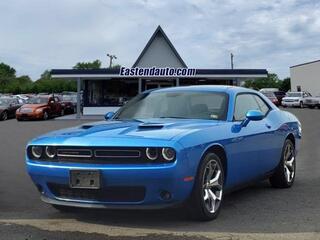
(264, 108)
(244, 103)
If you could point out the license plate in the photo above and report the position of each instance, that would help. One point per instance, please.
(89, 179)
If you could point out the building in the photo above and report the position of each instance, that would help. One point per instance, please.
(306, 77)
(158, 65)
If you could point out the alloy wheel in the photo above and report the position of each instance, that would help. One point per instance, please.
(212, 186)
(45, 116)
(289, 164)
(4, 116)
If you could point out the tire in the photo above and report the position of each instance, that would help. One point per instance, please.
(301, 105)
(205, 202)
(62, 112)
(285, 173)
(311, 107)
(4, 116)
(45, 115)
(62, 208)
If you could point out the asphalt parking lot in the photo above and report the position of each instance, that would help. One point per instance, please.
(257, 212)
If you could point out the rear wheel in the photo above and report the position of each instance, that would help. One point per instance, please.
(285, 174)
(207, 194)
(4, 115)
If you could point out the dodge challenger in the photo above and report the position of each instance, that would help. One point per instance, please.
(179, 146)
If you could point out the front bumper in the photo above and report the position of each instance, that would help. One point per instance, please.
(154, 178)
(29, 116)
(290, 104)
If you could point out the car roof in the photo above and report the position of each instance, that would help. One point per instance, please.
(206, 88)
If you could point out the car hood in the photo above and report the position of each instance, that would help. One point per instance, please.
(120, 131)
(33, 106)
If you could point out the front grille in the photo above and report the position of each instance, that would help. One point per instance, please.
(101, 155)
(108, 194)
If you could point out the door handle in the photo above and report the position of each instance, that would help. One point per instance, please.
(268, 126)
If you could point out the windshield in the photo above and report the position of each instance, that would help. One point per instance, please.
(69, 98)
(269, 94)
(188, 105)
(4, 101)
(294, 94)
(37, 100)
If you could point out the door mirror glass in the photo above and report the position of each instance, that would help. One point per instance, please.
(109, 115)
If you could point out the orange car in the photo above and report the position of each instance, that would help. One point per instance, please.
(40, 107)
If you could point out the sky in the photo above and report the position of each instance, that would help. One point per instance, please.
(36, 35)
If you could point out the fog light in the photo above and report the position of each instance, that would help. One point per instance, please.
(152, 153)
(168, 154)
(36, 151)
(50, 151)
(165, 195)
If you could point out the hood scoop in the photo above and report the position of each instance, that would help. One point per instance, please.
(86, 126)
(150, 126)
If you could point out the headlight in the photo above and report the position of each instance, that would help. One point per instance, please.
(38, 110)
(168, 154)
(36, 151)
(152, 153)
(50, 151)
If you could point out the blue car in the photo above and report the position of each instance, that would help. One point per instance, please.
(176, 146)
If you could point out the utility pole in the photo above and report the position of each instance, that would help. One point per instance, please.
(111, 58)
(231, 58)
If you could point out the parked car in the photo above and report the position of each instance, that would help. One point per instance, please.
(272, 97)
(166, 147)
(8, 107)
(312, 102)
(280, 95)
(69, 103)
(295, 99)
(40, 107)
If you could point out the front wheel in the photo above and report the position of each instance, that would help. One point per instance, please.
(285, 173)
(207, 194)
(301, 105)
(4, 116)
(45, 115)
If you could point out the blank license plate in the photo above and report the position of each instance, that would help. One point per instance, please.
(89, 179)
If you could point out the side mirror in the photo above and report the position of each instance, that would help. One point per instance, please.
(252, 115)
(109, 115)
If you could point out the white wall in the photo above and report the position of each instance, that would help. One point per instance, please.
(307, 76)
(159, 54)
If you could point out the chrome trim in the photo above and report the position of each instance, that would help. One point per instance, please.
(86, 204)
(74, 155)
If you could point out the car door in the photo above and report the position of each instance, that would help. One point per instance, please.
(249, 146)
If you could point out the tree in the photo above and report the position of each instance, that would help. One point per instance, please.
(88, 65)
(285, 85)
(272, 81)
(7, 71)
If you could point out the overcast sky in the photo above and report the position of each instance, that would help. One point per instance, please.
(45, 34)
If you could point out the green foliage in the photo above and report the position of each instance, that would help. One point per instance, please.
(7, 71)
(88, 65)
(272, 81)
(285, 85)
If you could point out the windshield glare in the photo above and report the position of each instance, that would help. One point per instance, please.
(189, 105)
(37, 100)
(294, 94)
(4, 101)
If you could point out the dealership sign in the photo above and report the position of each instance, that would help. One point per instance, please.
(154, 71)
